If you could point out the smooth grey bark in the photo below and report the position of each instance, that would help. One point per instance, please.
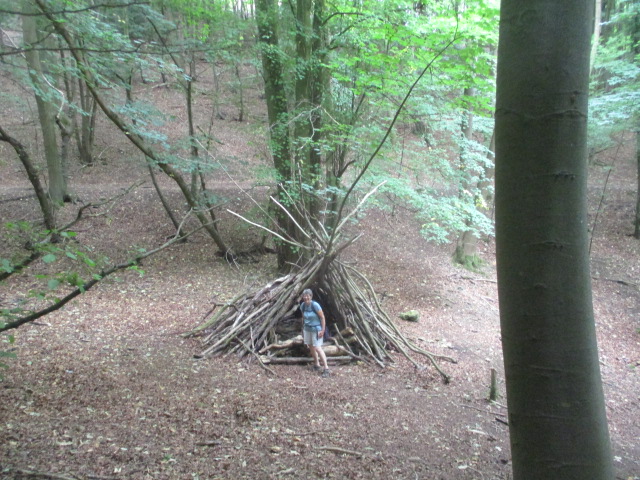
(557, 418)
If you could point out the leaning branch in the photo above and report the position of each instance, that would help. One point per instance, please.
(390, 127)
(54, 234)
(90, 284)
(45, 203)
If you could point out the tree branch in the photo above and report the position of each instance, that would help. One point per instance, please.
(136, 139)
(88, 285)
(78, 10)
(55, 234)
(389, 129)
(46, 206)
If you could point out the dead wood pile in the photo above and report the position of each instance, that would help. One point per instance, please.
(252, 323)
(361, 329)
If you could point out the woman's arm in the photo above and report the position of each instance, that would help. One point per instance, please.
(322, 323)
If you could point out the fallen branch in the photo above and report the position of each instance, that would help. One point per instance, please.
(301, 360)
(617, 280)
(341, 450)
(262, 364)
(90, 284)
(314, 432)
(209, 443)
(283, 345)
(52, 475)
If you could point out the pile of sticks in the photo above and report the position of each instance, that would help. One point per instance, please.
(362, 330)
(247, 325)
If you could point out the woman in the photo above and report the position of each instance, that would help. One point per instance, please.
(313, 328)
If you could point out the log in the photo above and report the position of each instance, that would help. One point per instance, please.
(332, 350)
(282, 345)
(279, 348)
(300, 360)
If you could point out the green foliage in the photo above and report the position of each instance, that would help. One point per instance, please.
(380, 47)
(444, 214)
(614, 104)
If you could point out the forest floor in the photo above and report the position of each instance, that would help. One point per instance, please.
(107, 388)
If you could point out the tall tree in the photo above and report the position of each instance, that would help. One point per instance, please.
(615, 97)
(273, 59)
(44, 94)
(556, 405)
(94, 77)
(597, 22)
(636, 222)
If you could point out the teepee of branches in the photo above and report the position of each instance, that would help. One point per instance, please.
(250, 323)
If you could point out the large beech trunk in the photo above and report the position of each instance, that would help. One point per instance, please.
(557, 419)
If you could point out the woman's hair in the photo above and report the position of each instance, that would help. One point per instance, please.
(307, 291)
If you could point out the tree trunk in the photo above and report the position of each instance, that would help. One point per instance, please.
(47, 209)
(302, 132)
(273, 71)
(193, 146)
(278, 114)
(240, 86)
(298, 165)
(557, 418)
(168, 169)
(46, 111)
(85, 133)
(636, 232)
(597, 22)
(318, 93)
(466, 252)
(608, 12)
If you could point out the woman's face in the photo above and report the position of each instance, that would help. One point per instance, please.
(306, 298)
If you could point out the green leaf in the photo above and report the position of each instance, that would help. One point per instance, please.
(5, 265)
(49, 258)
(53, 283)
(136, 268)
